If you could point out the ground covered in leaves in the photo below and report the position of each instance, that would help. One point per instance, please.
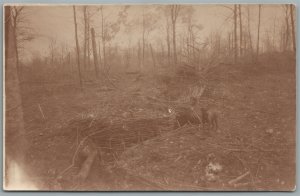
(139, 148)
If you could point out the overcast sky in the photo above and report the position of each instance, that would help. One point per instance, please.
(56, 22)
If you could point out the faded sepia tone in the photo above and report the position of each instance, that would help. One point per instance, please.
(150, 97)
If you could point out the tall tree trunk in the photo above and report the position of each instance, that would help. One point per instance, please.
(103, 39)
(235, 33)
(69, 60)
(52, 58)
(174, 44)
(94, 51)
(229, 44)
(88, 41)
(187, 49)
(249, 32)
(14, 134)
(152, 54)
(282, 39)
(258, 32)
(174, 15)
(287, 25)
(143, 41)
(61, 56)
(139, 55)
(77, 47)
(273, 35)
(194, 47)
(245, 44)
(86, 30)
(293, 27)
(99, 51)
(14, 30)
(168, 44)
(162, 53)
(241, 30)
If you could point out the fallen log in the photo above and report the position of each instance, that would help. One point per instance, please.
(239, 178)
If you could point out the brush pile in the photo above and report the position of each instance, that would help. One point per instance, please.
(108, 140)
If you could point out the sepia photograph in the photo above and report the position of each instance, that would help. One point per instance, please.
(149, 97)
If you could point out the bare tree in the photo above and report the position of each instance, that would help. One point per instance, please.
(88, 39)
(174, 15)
(109, 30)
(77, 47)
(191, 34)
(99, 51)
(143, 40)
(235, 33)
(148, 23)
(16, 14)
(293, 27)
(241, 30)
(168, 40)
(274, 35)
(94, 51)
(22, 32)
(287, 27)
(258, 31)
(103, 37)
(249, 31)
(152, 55)
(52, 48)
(86, 32)
(15, 142)
(139, 54)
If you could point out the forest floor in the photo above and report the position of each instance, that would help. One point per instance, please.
(141, 150)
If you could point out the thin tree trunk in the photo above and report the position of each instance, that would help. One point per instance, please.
(174, 15)
(194, 52)
(287, 34)
(94, 51)
(235, 33)
(162, 52)
(86, 30)
(14, 140)
(88, 40)
(152, 54)
(103, 39)
(282, 39)
(229, 44)
(77, 47)
(241, 30)
(245, 44)
(168, 44)
(69, 61)
(143, 41)
(273, 36)
(100, 59)
(61, 56)
(188, 49)
(52, 58)
(139, 55)
(174, 44)
(258, 30)
(14, 30)
(293, 27)
(249, 32)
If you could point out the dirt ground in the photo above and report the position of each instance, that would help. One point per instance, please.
(256, 131)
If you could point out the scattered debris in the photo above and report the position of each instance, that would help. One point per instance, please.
(239, 178)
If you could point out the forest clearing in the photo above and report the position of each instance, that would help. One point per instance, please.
(215, 116)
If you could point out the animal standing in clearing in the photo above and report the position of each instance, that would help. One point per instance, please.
(205, 115)
(197, 116)
(210, 116)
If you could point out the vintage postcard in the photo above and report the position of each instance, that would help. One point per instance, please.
(149, 97)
